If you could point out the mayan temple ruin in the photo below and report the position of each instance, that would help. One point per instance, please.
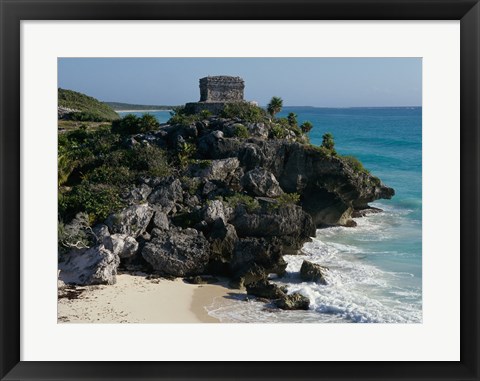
(217, 91)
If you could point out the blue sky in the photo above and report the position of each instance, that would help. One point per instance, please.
(321, 82)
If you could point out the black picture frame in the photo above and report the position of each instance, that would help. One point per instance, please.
(13, 11)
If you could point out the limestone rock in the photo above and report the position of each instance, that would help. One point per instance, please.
(140, 193)
(166, 195)
(177, 252)
(95, 265)
(124, 246)
(289, 223)
(311, 272)
(219, 169)
(265, 289)
(254, 258)
(131, 221)
(223, 238)
(160, 220)
(258, 130)
(293, 301)
(102, 236)
(261, 182)
(216, 209)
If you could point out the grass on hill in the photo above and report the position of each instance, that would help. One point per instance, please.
(89, 108)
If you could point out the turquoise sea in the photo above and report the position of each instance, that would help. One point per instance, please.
(375, 271)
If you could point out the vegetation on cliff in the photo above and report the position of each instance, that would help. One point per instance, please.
(81, 107)
(225, 194)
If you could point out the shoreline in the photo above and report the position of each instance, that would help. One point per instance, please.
(135, 299)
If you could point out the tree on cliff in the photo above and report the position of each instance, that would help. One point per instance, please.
(328, 142)
(275, 106)
(292, 119)
(306, 127)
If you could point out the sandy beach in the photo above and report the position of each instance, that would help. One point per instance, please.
(135, 299)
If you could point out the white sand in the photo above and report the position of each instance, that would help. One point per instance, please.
(135, 299)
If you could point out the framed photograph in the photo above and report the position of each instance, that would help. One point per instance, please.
(243, 190)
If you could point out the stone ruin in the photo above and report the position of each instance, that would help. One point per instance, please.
(216, 92)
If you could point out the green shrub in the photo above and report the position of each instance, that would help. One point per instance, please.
(191, 185)
(185, 153)
(245, 111)
(354, 163)
(131, 124)
(84, 116)
(325, 153)
(284, 199)
(79, 150)
(295, 130)
(180, 116)
(288, 198)
(97, 200)
(250, 203)
(150, 160)
(240, 131)
(148, 123)
(278, 131)
(106, 174)
(205, 114)
(202, 164)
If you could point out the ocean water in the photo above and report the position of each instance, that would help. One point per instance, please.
(162, 115)
(375, 269)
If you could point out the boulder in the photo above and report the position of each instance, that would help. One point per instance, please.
(215, 210)
(258, 130)
(293, 301)
(285, 220)
(265, 289)
(365, 211)
(261, 182)
(289, 222)
(95, 265)
(208, 188)
(311, 272)
(131, 221)
(350, 224)
(140, 193)
(215, 146)
(166, 195)
(255, 258)
(223, 238)
(177, 252)
(102, 235)
(123, 245)
(160, 220)
(218, 169)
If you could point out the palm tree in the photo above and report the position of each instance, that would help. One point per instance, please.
(328, 142)
(275, 106)
(306, 127)
(148, 123)
(292, 119)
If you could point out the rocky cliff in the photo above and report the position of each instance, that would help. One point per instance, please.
(239, 199)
